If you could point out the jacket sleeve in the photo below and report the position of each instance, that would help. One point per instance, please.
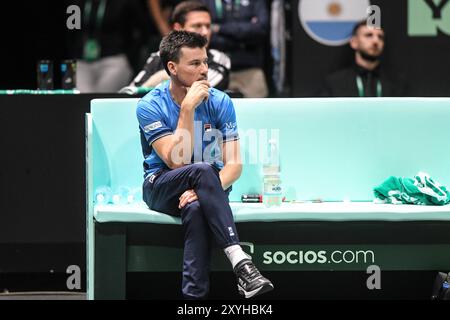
(152, 66)
(219, 69)
(326, 89)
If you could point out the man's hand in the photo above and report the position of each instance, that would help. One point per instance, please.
(187, 197)
(196, 94)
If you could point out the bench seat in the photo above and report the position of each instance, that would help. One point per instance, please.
(250, 212)
(336, 150)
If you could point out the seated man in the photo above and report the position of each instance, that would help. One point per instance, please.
(241, 29)
(367, 77)
(187, 173)
(194, 17)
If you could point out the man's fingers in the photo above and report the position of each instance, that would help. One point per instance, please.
(187, 197)
(186, 193)
(202, 88)
(203, 82)
(198, 92)
(201, 85)
(187, 200)
(206, 96)
(183, 197)
(205, 91)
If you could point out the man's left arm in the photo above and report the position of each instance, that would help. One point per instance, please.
(232, 168)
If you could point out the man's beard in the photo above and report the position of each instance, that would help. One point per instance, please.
(186, 84)
(369, 57)
(182, 82)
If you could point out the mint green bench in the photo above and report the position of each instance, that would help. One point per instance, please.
(335, 150)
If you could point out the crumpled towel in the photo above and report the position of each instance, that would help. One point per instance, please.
(421, 190)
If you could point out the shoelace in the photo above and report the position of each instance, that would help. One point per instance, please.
(250, 272)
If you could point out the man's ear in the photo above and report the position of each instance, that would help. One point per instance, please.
(172, 67)
(177, 26)
(353, 43)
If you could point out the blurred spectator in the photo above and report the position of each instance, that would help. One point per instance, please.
(161, 11)
(191, 16)
(366, 78)
(241, 29)
(109, 28)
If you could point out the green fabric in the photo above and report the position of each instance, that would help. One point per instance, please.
(421, 190)
(135, 90)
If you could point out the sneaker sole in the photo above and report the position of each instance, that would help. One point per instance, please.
(260, 290)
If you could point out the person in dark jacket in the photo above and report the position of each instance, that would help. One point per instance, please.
(190, 16)
(102, 46)
(367, 77)
(240, 29)
(161, 11)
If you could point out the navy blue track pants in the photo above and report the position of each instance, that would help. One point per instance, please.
(205, 220)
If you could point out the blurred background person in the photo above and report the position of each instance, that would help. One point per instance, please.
(192, 16)
(111, 32)
(161, 12)
(241, 30)
(367, 77)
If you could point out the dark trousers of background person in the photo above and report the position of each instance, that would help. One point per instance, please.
(208, 217)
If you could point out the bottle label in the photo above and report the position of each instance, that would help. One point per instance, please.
(272, 185)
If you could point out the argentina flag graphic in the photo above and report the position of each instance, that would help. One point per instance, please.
(330, 22)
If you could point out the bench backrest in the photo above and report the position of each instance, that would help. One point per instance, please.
(332, 149)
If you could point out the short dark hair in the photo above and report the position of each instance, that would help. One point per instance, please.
(182, 9)
(170, 47)
(357, 26)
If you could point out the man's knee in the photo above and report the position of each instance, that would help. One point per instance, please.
(204, 168)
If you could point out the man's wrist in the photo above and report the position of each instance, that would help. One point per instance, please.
(186, 106)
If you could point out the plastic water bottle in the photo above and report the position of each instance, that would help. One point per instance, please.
(272, 192)
(103, 195)
(135, 195)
